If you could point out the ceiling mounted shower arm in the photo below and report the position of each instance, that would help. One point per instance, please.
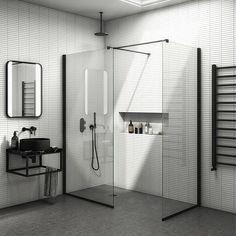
(101, 32)
(101, 21)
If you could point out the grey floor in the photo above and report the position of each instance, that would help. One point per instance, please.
(102, 193)
(105, 194)
(134, 214)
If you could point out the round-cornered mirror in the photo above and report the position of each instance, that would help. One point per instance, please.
(24, 89)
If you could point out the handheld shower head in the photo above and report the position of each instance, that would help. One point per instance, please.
(101, 33)
(95, 120)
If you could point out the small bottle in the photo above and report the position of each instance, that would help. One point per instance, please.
(14, 141)
(136, 130)
(146, 128)
(131, 127)
(141, 128)
(150, 129)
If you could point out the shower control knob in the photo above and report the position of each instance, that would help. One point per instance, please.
(82, 125)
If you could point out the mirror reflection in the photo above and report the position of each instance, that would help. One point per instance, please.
(24, 89)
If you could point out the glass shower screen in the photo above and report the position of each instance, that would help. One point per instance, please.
(89, 126)
(180, 129)
(96, 90)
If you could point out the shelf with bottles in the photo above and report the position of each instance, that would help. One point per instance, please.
(133, 134)
(142, 128)
(141, 123)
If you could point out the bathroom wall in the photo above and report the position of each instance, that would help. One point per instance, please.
(210, 25)
(138, 94)
(38, 34)
(179, 142)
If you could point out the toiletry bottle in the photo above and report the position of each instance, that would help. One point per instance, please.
(14, 141)
(141, 128)
(150, 129)
(131, 127)
(146, 128)
(136, 130)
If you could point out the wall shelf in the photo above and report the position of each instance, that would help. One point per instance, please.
(140, 112)
(143, 116)
(31, 170)
(140, 134)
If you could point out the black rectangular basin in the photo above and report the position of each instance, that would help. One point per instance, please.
(34, 144)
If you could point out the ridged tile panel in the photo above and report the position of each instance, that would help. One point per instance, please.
(32, 33)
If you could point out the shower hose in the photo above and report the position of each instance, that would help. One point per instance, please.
(94, 149)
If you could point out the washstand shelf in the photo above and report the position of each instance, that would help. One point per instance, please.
(28, 155)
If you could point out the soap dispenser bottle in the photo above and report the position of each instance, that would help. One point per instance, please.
(150, 131)
(146, 128)
(131, 127)
(14, 141)
(140, 128)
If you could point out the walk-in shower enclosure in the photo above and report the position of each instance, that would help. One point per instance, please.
(156, 83)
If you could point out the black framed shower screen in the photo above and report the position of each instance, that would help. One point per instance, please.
(181, 140)
(181, 127)
(88, 92)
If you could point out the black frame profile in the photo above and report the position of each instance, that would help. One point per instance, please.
(6, 69)
(64, 122)
(199, 127)
(199, 71)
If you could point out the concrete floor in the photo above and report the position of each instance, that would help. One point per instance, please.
(134, 214)
(101, 193)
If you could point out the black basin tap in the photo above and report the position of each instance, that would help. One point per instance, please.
(32, 129)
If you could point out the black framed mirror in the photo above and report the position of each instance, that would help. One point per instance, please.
(23, 89)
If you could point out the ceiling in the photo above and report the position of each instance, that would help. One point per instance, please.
(112, 8)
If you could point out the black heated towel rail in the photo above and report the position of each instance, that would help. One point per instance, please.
(223, 119)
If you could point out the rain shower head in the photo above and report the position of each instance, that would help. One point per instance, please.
(101, 33)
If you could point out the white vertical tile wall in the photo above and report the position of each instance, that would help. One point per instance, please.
(138, 79)
(210, 25)
(33, 33)
(179, 142)
(138, 89)
(138, 163)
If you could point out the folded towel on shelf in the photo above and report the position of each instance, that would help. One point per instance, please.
(51, 181)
